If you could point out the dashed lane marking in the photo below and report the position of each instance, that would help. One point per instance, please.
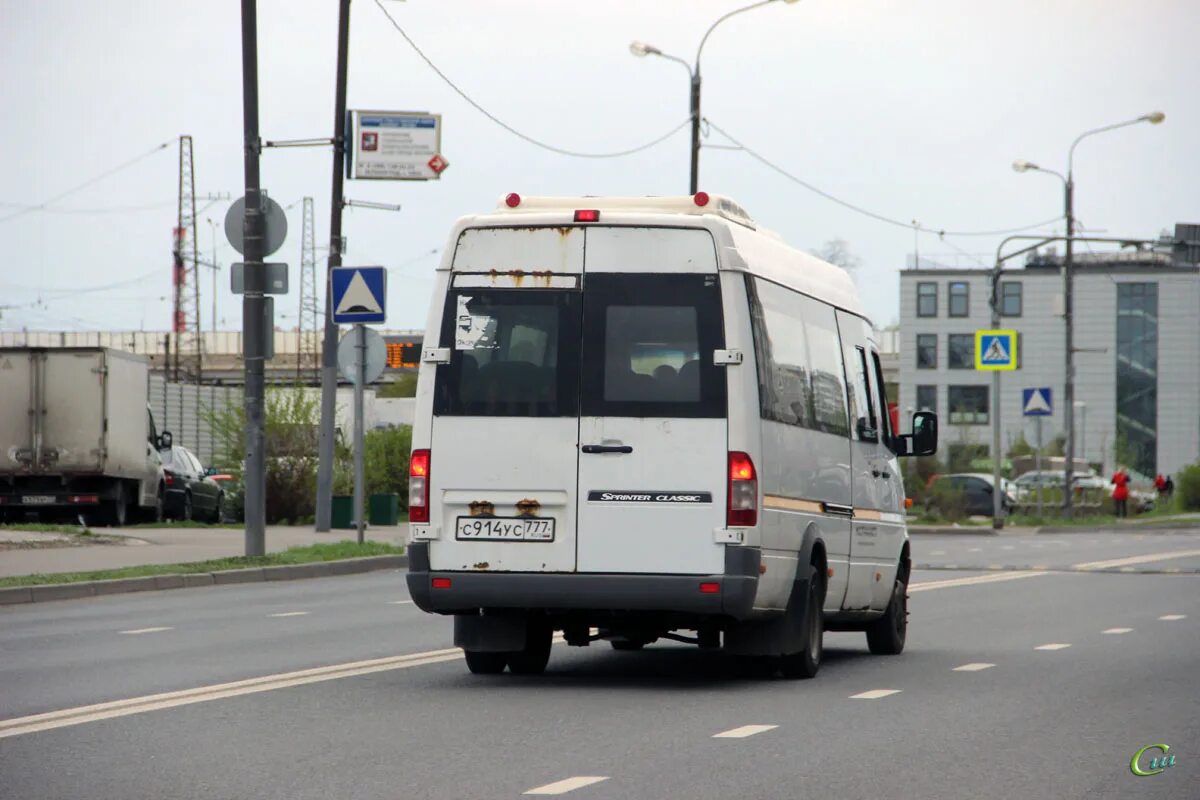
(289, 614)
(1117, 630)
(744, 731)
(975, 667)
(1052, 646)
(400, 602)
(137, 631)
(875, 694)
(567, 785)
(1172, 617)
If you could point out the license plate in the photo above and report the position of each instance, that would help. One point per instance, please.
(506, 529)
(37, 499)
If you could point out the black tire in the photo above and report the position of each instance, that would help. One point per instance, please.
(625, 644)
(807, 662)
(219, 511)
(533, 659)
(886, 635)
(118, 510)
(186, 514)
(481, 663)
(160, 506)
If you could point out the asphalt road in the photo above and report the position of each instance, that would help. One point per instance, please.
(1025, 720)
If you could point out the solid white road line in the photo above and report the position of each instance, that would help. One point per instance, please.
(1117, 630)
(971, 581)
(289, 614)
(1172, 617)
(744, 731)
(1052, 646)
(567, 785)
(136, 631)
(874, 694)
(975, 667)
(1147, 559)
(400, 602)
(123, 708)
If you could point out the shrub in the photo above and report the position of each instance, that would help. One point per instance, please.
(1187, 488)
(385, 461)
(947, 500)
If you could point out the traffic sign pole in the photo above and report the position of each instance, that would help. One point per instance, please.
(360, 349)
(1037, 464)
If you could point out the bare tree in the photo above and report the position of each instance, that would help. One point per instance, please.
(837, 251)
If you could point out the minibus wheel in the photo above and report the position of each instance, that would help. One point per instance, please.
(482, 663)
(886, 635)
(807, 661)
(532, 660)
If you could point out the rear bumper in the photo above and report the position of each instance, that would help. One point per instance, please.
(615, 592)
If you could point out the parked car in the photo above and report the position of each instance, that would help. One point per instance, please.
(976, 488)
(191, 494)
(1026, 486)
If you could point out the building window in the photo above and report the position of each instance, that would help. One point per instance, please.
(926, 351)
(960, 295)
(927, 398)
(926, 299)
(1137, 376)
(1010, 299)
(960, 351)
(968, 405)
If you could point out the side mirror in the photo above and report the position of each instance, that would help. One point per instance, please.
(923, 440)
(165, 440)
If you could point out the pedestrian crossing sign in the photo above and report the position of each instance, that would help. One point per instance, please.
(995, 350)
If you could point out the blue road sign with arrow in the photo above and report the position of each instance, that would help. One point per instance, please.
(359, 294)
(1036, 402)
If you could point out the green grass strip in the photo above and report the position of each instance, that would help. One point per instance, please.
(331, 551)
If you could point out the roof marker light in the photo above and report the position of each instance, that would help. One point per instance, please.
(700, 199)
(512, 200)
(587, 215)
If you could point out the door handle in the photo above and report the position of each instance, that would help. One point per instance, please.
(607, 448)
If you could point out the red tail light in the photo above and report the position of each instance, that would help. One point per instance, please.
(418, 486)
(743, 492)
(168, 477)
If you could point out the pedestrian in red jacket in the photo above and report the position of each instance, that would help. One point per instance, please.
(1120, 495)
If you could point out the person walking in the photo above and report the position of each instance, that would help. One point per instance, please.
(1120, 494)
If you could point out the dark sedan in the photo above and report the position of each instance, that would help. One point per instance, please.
(190, 493)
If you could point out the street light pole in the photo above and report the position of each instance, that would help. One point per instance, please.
(1153, 118)
(641, 49)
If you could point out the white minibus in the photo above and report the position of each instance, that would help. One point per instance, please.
(646, 418)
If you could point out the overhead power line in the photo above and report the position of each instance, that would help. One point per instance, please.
(940, 232)
(511, 129)
(96, 179)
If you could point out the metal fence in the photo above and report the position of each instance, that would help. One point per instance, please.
(183, 410)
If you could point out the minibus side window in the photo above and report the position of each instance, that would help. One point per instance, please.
(785, 392)
(828, 381)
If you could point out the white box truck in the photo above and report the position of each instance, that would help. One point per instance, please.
(77, 437)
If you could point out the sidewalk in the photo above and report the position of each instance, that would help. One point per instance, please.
(165, 546)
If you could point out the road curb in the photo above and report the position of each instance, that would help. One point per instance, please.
(285, 572)
(1142, 527)
(971, 531)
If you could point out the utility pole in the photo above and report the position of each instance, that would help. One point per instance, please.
(695, 106)
(254, 323)
(329, 343)
(1069, 378)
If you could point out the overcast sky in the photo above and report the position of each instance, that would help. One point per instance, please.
(913, 110)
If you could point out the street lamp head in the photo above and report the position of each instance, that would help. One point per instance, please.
(1154, 117)
(1024, 166)
(641, 49)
